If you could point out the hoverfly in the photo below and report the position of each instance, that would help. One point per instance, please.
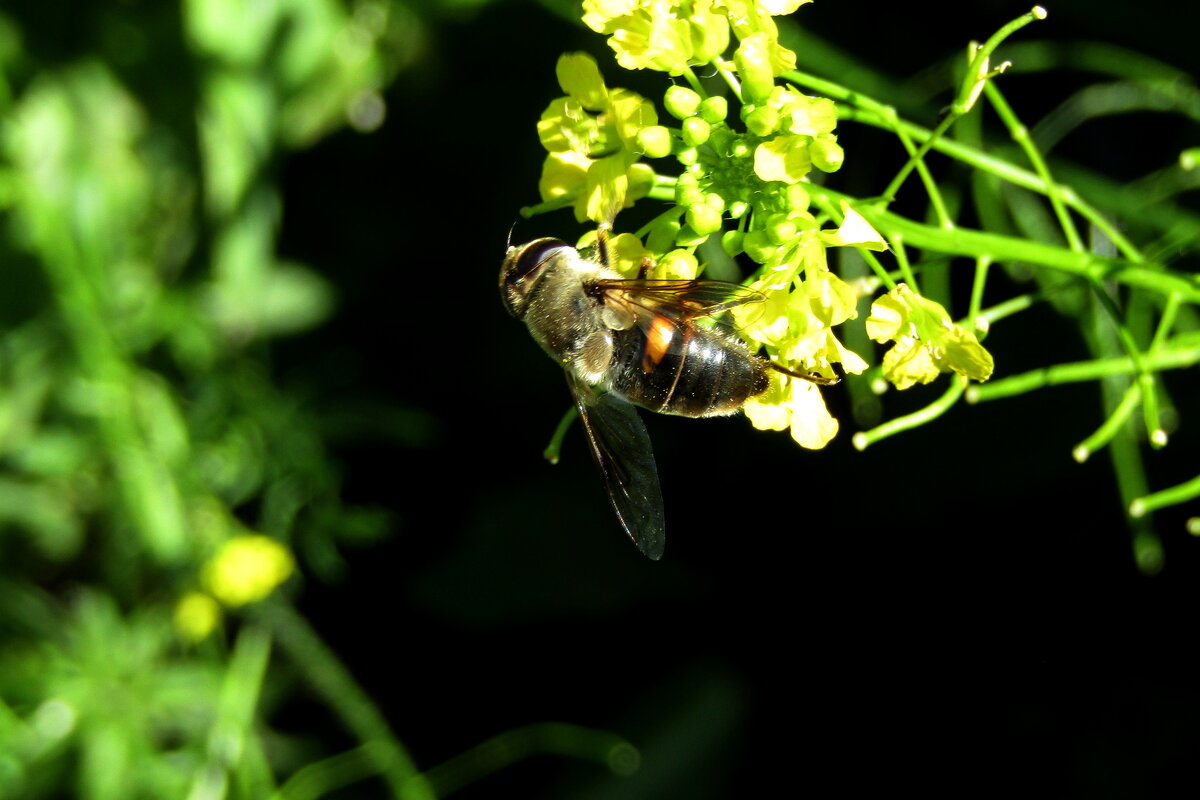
(638, 341)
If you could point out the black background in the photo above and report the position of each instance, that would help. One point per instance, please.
(955, 607)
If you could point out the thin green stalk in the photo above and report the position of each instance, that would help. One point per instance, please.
(1166, 322)
(1009, 307)
(1111, 426)
(323, 777)
(1020, 135)
(864, 439)
(694, 82)
(1182, 493)
(555, 447)
(1183, 352)
(975, 321)
(729, 75)
(968, 242)
(232, 739)
(547, 738)
(321, 667)
(974, 157)
(897, 243)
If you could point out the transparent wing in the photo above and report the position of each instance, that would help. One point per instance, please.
(621, 447)
(680, 299)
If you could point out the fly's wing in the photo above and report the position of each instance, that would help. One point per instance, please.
(680, 299)
(621, 447)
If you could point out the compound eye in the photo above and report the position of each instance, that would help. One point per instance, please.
(525, 259)
(521, 270)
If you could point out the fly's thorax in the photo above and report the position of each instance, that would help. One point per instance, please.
(552, 291)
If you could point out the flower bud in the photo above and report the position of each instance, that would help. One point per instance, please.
(753, 60)
(655, 141)
(681, 102)
(732, 242)
(759, 246)
(695, 131)
(714, 109)
(703, 219)
(780, 229)
(679, 265)
(796, 197)
(826, 153)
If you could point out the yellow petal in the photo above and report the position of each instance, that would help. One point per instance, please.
(813, 426)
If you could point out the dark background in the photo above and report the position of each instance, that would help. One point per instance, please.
(956, 606)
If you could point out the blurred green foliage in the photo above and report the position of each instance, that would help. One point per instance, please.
(145, 443)
(140, 429)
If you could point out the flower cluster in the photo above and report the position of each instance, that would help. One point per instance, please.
(741, 179)
(674, 35)
(804, 301)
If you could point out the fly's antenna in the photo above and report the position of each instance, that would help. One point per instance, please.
(508, 243)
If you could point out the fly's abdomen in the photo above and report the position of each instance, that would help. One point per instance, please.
(688, 371)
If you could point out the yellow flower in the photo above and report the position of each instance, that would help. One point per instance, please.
(591, 137)
(927, 341)
(196, 616)
(666, 35)
(246, 569)
(797, 405)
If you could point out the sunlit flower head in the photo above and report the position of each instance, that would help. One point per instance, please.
(926, 341)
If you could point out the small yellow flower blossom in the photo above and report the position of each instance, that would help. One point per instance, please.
(247, 569)
(196, 616)
(927, 342)
(665, 35)
(674, 35)
(805, 137)
(794, 404)
(591, 137)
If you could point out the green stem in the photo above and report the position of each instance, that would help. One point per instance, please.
(1111, 426)
(326, 776)
(1183, 352)
(1002, 169)
(1009, 307)
(552, 450)
(976, 322)
(902, 262)
(969, 90)
(547, 738)
(1154, 429)
(1020, 135)
(968, 242)
(729, 75)
(694, 82)
(318, 663)
(864, 439)
(1188, 490)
